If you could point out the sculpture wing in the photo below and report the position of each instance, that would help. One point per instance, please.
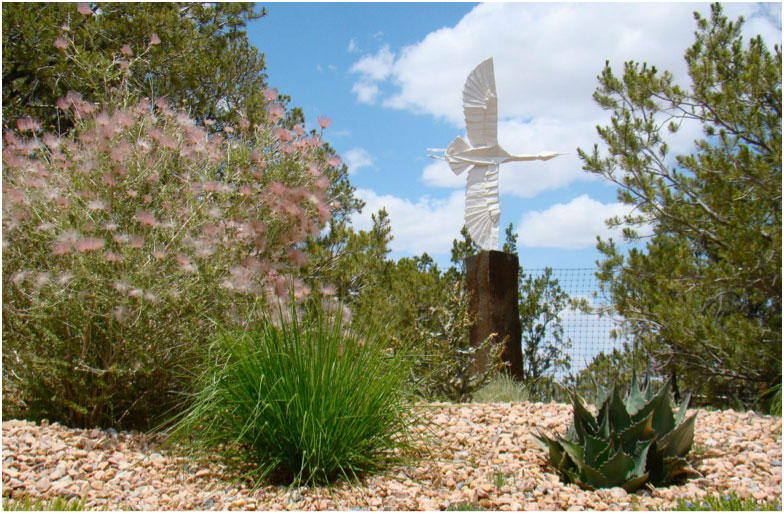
(482, 207)
(480, 105)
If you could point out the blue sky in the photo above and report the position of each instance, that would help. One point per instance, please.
(390, 77)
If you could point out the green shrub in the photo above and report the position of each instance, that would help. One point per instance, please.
(301, 400)
(629, 443)
(443, 360)
(502, 388)
(124, 241)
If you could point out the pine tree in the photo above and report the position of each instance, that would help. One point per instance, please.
(704, 279)
(196, 55)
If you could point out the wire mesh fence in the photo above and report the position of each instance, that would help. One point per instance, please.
(593, 329)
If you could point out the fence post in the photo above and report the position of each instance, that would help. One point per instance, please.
(491, 282)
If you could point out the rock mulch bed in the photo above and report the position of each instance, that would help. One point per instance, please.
(486, 457)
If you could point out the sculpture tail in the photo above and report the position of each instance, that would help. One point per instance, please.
(455, 148)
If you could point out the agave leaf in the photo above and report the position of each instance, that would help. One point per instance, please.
(617, 468)
(640, 431)
(595, 449)
(574, 450)
(635, 483)
(541, 440)
(655, 464)
(619, 418)
(663, 420)
(674, 467)
(584, 422)
(615, 442)
(682, 412)
(604, 426)
(647, 391)
(678, 442)
(555, 451)
(583, 483)
(569, 476)
(641, 456)
(601, 395)
(635, 400)
(571, 434)
(593, 478)
(601, 417)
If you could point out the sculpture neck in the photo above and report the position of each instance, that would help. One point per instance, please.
(523, 158)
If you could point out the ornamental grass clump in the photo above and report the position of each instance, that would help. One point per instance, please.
(302, 400)
(629, 443)
(127, 239)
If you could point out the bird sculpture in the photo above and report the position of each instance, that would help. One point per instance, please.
(481, 156)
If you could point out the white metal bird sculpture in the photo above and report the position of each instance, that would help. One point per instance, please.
(482, 155)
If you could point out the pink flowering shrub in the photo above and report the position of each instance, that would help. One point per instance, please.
(128, 241)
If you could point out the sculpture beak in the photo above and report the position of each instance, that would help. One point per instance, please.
(442, 150)
(546, 156)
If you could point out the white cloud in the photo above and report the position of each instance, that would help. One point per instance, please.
(439, 174)
(365, 91)
(547, 69)
(375, 67)
(426, 225)
(572, 225)
(357, 158)
(372, 68)
(547, 56)
(352, 46)
(529, 178)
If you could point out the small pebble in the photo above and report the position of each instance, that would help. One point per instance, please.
(122, 471)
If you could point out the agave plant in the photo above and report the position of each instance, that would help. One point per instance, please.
(630, 443)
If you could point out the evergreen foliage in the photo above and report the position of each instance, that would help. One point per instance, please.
(541, 300)
(443, 355)
(703, 293)
(195, 55)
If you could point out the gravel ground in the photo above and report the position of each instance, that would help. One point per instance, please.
(487, 458)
